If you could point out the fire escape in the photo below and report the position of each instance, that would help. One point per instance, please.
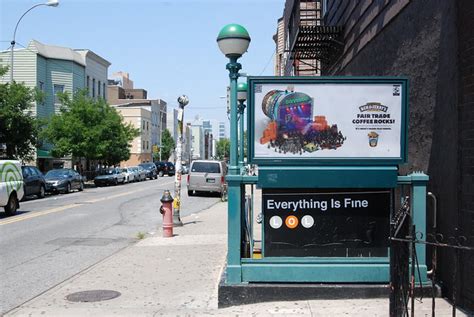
(310, 43)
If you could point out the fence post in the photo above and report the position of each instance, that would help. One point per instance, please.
(419, 181)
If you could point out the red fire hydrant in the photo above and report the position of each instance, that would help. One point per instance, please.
(166, 210)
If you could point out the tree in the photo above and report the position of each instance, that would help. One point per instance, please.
(223, 149)
(91, 129)
(18, 126)
(167, 145)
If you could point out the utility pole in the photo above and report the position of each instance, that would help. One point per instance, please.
(183, 101)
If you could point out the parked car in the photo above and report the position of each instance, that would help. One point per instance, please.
(130, 174)
(111, 176)
(34, 182)
(63, 180)
(150, 169)
(139, 172)
(207, 176)
(165, 168)
(11, 186)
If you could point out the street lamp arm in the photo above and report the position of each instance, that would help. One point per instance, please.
(16, 26)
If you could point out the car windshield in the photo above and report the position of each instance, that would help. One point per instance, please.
(206, 167)
(57, 173)
(110, 171)
(147, 166)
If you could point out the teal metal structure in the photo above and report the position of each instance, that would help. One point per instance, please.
(317, 174)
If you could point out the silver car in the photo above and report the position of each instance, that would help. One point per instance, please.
(139, 172)
(207, 176)
(130, 174)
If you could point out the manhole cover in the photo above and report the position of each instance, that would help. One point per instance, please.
(92, 296)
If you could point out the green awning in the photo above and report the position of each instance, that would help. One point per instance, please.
(43, 153)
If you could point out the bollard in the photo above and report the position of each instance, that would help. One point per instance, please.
(167, 211)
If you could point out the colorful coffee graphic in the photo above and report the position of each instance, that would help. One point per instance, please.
(293, 128)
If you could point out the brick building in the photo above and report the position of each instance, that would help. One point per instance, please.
(431, 42)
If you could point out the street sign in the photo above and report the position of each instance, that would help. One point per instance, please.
(326, 223)
(341, 120)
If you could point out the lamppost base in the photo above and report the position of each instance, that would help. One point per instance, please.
(177, 221)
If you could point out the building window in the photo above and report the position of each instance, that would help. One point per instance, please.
(98, 88)
(41, 88)
(143, 145)
(88, 84)
(93, 87)
(147, 145)
(57, 89)
(147, 125)
(143, 125)
(103, 90)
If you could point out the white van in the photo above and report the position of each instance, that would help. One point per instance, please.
(11, 185)
(207, 176)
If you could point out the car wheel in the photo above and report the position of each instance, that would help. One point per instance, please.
(42, 192)
(81, 187)
(161, 174)
(115, 182)
(12, 205)
(68, 188)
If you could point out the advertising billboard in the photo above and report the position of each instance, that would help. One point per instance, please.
(327, 120)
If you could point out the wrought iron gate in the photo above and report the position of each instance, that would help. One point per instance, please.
(404, 263)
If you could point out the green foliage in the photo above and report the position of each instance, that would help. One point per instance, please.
(223, 149)
(18, 126)
(91, 129)
(167, 145)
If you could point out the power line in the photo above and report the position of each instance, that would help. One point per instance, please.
(268, 62)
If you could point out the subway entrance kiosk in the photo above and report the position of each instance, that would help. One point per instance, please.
(328, 151)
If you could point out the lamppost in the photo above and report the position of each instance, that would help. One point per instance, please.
(233, 41)
(241, 97)
(183, 101)
(50, 3)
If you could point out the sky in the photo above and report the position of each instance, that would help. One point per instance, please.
(168, 47)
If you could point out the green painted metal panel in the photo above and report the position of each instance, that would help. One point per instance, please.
(328, 177)
(317, 273)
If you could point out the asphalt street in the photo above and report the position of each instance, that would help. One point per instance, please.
(55, 238)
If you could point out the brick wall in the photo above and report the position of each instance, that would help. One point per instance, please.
(466, 144)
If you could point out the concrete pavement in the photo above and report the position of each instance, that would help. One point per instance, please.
(179, 276)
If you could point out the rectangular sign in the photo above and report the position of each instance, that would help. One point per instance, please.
(323, 223)
(327, 119)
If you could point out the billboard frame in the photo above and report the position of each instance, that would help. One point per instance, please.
(325, 161)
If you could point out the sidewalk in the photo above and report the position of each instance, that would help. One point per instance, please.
(179, 276)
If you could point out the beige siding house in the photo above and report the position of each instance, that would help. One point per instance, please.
(141, 146)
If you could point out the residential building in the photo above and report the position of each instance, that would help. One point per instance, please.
(429, 43)
(141, 149)
(96, 73)
(132, 97)
(54, 69)
(295, 55)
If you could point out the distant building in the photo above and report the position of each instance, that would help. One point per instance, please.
(122, 79)
(141, 150)
(52, 70)
(132, 97)
(222, 131)
(172, 124)
(197, 144)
